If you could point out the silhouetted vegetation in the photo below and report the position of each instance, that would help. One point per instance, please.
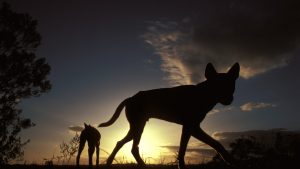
(251, 153)
(22, 75)
(114, 166)
(69, 149)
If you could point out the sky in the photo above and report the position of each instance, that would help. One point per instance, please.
(102, 52)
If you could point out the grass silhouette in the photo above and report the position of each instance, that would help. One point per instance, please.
(116, 166)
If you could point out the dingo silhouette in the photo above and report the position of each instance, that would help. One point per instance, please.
(186, 105)
(92, 136)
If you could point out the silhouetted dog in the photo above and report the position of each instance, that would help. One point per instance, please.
(186, 105)
(92, 136)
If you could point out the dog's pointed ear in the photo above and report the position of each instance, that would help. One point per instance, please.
(85, 125)
(234, 71)
(210, 71)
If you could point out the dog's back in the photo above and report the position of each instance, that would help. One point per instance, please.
(178, 104)
(184, 104)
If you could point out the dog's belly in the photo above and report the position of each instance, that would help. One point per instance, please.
(174, 115)
(178, 106)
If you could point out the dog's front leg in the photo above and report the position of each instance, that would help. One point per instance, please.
(198, 133)
(185, 137)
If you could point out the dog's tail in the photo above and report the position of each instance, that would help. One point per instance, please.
(116, 114)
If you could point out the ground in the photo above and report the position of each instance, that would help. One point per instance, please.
(121, 166)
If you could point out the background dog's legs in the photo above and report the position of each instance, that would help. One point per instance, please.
(97, 154)
(81, 146)
(91, 152)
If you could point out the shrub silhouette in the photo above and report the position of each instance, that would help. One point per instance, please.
(253, 154)
(69, 149)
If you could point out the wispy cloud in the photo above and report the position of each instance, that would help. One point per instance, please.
(251, 106)
(219, 110)
(76, 128)
(260, 35)
(200, 151)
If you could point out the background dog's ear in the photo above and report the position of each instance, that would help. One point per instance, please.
(234, 71)
(85, 125)
(210, 71)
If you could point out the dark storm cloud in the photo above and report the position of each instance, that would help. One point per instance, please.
(261, 35)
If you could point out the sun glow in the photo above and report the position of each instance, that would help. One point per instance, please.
(150, 148)
(150, 144)
(156, 135)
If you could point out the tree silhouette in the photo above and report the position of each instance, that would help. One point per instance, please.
(22, 75)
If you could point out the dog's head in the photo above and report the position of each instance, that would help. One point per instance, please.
(87, 127)
(222, 84)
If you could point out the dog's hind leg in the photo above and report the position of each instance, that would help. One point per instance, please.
(119, 145)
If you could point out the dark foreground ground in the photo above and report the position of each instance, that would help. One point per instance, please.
(117, 166)
(274, 165)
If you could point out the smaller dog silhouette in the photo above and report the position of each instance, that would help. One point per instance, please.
(92, 136)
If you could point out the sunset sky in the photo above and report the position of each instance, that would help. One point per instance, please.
(102, 52)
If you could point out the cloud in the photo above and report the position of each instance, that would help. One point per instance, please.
(219, 110)
(76, 128)
(260, 35)
(244, 107)
(192, 152)
(251, 106)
